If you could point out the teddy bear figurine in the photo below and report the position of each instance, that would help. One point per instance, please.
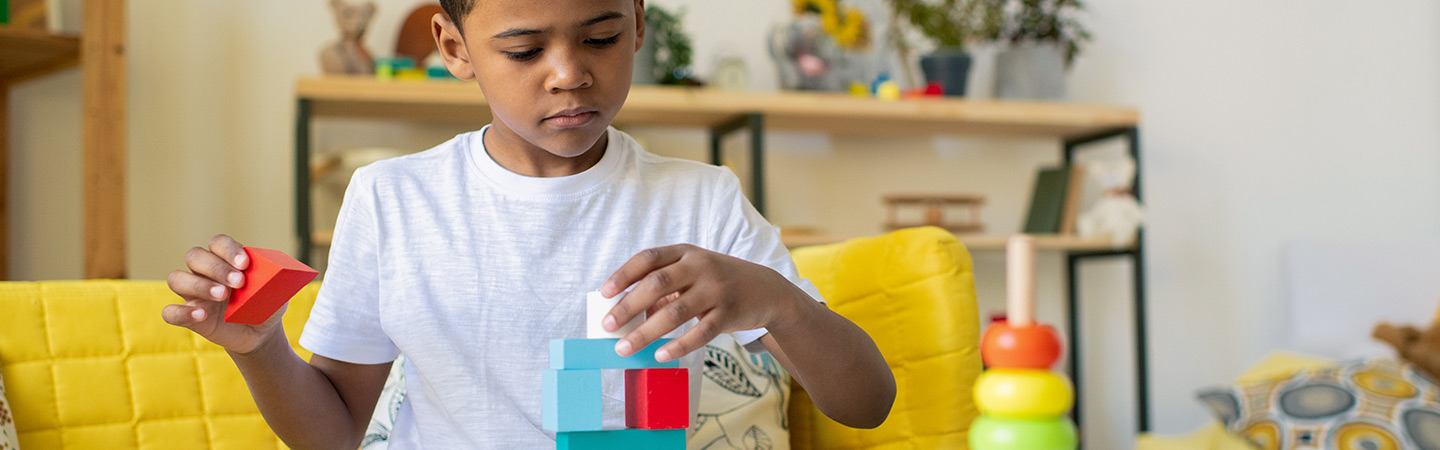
(348, 55)
(1117, 215)
(1420, 347)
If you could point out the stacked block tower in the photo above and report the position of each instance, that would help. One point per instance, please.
(1022, 404)
(657, 395)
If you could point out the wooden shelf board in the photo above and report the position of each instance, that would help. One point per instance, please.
(680, 106)
(980, 242)
(973, 242)
(25, 54)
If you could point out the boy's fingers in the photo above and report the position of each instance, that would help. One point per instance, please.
(194, 287)
(648, 292)
(209, 265)
(230, 249)
(639, 266)
(183, 315)
(674, 314)
(702, 333)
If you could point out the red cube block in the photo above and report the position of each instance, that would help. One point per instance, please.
(270, 281)
(657, 399)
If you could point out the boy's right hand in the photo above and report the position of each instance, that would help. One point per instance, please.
(214, 275)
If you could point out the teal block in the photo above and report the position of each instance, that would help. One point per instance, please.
(600, 354)
(570, 400)
(627, 439)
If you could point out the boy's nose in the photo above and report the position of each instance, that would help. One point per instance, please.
(567, 73)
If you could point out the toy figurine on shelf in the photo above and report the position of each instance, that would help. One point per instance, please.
(1022, 403)
(348, 55)
(935, 207)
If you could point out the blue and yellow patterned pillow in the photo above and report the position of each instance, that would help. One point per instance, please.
(1377, 404)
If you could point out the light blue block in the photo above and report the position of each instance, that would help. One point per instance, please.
(600, 354)
(627, 439)
(570, 400)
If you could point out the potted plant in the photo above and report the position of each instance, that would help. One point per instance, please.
(950, 24)
(1044, 36)
(665, 56)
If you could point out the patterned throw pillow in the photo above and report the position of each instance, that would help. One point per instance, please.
(377, 435)
(1377, 404)
(8, 439)
(744, 400)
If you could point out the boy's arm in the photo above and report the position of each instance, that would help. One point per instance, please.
(837, 363)
(325, 404)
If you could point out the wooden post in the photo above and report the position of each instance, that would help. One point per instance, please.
(102, 57)
(1020, 275)
(4, 180)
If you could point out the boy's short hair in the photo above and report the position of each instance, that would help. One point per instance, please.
(457, 10)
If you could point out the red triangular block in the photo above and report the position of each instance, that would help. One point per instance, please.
(272, 279)
(657, 399)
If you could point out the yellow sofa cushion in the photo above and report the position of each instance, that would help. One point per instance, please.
(913, 291)
(90, 364)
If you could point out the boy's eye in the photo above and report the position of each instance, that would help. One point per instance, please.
(604, 42)
(522, 56)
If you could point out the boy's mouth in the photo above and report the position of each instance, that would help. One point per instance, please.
(572, 118)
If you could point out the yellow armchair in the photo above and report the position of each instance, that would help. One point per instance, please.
(90, 364)
(913, 291)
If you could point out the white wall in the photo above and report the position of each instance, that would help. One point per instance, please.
(1262, 123)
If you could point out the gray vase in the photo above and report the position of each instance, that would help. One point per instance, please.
(949, 67)
(1031, 71)
(644, 69)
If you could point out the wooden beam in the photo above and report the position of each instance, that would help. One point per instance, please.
(103, 85)
(4, 180)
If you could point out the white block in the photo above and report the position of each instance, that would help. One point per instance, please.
(596, 307)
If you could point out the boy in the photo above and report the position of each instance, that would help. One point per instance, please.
(470, 256)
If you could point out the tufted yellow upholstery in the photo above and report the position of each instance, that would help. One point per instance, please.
(90, 364)
(913, 291)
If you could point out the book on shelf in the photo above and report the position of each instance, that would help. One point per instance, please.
(1055, 200)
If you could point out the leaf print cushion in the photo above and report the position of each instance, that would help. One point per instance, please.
(744, 399)
(8, 439)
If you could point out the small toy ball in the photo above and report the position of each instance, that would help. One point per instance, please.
(860, 90)
(1032, 346)
(888, 91)
(1023, 394)
(992, 433)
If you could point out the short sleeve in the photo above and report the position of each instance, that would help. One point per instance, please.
(743, 233)
(345, 322)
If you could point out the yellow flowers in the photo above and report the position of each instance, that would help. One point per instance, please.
(846, 25)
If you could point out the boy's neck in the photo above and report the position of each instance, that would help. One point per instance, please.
(517, 155)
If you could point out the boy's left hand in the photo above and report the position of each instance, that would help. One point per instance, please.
(680, 282)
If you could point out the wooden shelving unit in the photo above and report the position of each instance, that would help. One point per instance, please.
(26, 54)
(456, 101)
(723, 113)
(452, 101)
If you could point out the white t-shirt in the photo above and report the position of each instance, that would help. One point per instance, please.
(470, 269)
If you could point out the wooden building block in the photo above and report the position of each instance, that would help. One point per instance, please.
(627, 439)
(596, 308)
(657, 399)
(600, 354)
(270, 281)
(570, 400)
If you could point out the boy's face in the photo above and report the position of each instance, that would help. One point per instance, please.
(555, 72)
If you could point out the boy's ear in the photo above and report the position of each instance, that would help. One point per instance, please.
(639, 24)
(451, 44)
